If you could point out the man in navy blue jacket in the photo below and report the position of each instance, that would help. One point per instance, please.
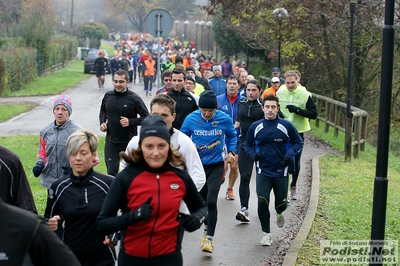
(272, 143)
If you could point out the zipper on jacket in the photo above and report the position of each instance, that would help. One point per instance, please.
(158, 212)
(86, 198)
(249, 109)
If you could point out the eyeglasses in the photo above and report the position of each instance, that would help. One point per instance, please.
(119, 81)
(189, 83)
(276, 82)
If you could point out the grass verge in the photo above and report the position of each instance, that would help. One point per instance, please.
(345, 201)
(11, 110)
(54, 83)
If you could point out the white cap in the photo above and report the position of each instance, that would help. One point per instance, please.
(275, 79)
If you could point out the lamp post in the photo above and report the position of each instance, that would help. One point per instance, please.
(197, 27)
(279, 14)
(379, 204)
(186, 24)
(209, 24)
(349, 114)
(176, 27)
(201, 23)
(72, 14)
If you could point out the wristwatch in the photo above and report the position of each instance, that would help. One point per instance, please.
(233, 153)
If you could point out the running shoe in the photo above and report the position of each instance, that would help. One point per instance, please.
(280, 220)
(208, 246)
(229, 194)
(243, 215)
(266, 240)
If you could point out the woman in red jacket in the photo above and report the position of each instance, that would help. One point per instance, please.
(149, 192)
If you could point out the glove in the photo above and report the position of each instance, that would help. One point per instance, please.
(257, 156)
(287, 161)
(67, 170)
(292, 108)
(38, 168)
(192, 223)
(142, 213)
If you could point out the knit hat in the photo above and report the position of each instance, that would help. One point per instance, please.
(178, 59)
(191, 78)
(190, 68)
(154, 125)
(63, 100)
(208, 100)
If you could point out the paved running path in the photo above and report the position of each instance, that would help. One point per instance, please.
(235, 243)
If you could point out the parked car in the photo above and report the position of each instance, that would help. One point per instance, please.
(91, 57)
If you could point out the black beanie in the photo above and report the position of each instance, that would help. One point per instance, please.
(208, 100)
(178, 59)
(191, 78)
(154, 125)
(190, 68)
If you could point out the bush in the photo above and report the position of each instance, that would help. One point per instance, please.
(60, 49)
(17, 68)
(94, 31)
(21, 65)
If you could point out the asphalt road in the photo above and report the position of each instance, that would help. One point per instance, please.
(235, 243)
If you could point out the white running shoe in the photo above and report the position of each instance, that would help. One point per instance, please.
(266, 240)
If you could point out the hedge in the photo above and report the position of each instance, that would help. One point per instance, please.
(21, 65)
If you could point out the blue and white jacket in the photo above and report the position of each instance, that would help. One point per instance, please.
(218, 85)
(270, 139)
(210, 136)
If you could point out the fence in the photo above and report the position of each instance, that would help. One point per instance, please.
(333, 114)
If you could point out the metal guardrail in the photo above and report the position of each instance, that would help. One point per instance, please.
(333, 114)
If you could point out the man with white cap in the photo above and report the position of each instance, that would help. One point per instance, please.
(275, 84)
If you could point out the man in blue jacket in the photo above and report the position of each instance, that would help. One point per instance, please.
(211, 130)
(267, 144)
(228, 103)
(217, 83)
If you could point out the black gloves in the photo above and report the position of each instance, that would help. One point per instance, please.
(192, 222)
(142, 213)
(38, 168)
(257, 157)
(292, 108)
(287, 161)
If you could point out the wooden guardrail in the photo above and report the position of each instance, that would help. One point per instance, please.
(333, 114)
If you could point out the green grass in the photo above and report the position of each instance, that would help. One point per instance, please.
(54, 83)
(58, 81)
(10, 110)
(346, 194)
(108, 47)
(26, 148)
